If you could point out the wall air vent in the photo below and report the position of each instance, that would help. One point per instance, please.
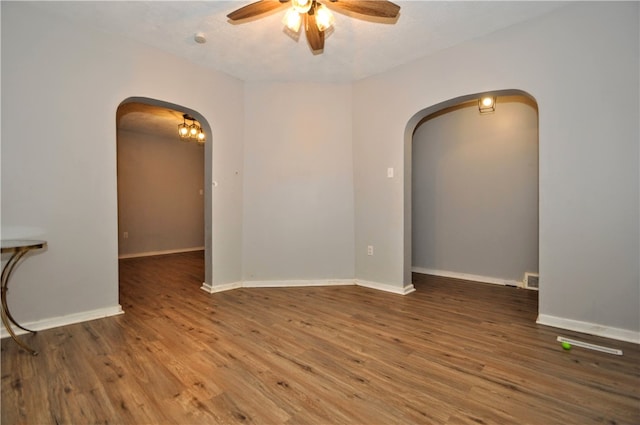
(531, 281)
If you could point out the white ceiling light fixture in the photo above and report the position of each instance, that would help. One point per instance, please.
(315, 16)
(487, 104)
(191, 131)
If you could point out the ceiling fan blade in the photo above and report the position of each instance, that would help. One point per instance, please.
(377, 8)
(315, 37)
(255, 9)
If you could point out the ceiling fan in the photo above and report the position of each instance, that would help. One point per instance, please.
(314, 15)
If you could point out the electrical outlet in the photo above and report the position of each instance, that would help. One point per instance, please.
(370, 250)
(125, 235)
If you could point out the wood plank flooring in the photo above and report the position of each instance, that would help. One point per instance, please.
(453, 352)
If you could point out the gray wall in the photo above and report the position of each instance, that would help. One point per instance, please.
(475, 191)
(298, 183)
(581, 64)
(160, 204)
(60, 184)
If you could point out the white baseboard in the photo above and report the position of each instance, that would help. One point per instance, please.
(407, 289)
(55, 322)
(296, 283)
(220, 288)
(465, 276)
(166, 252)
(589, 328)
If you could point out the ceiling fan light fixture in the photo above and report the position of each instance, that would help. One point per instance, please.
(292, 20)
(317, 19)
(324, 18)
(301, 6)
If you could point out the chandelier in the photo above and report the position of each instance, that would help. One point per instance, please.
(191, 131)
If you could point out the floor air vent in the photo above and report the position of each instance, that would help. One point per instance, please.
(531, 281)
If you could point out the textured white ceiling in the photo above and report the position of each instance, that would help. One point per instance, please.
(261, 51)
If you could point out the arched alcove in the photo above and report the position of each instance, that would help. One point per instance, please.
(437, 113)
(169, 115)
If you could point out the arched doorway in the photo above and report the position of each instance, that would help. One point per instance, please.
(185, 223)
(475, 217)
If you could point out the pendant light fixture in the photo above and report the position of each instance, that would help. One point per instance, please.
(191, 131)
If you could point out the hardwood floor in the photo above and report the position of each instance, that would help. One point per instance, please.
(453, 352)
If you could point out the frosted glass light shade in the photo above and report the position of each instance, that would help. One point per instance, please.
(292, 20)
(324, 18)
